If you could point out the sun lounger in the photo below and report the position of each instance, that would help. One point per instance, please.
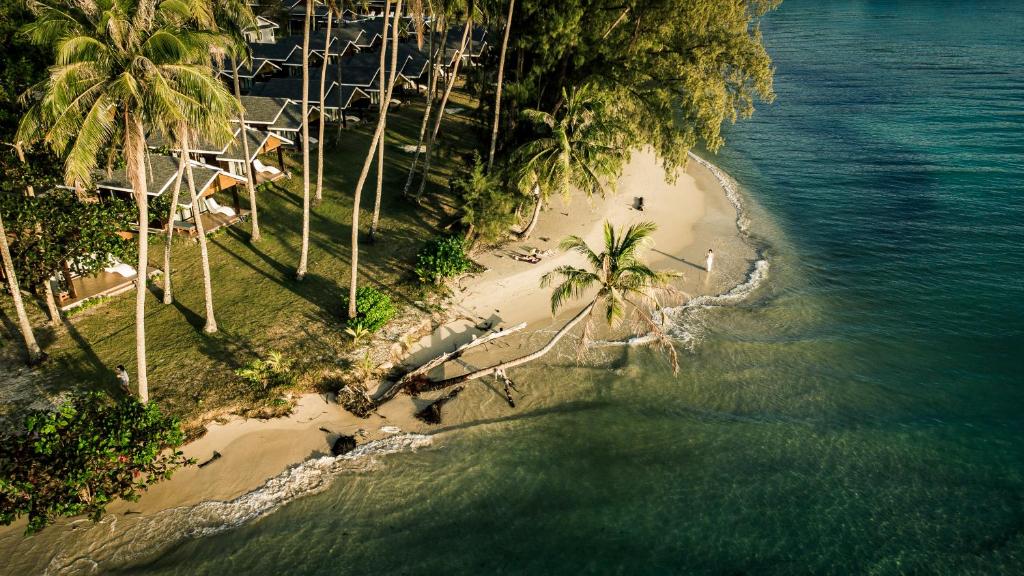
(120, 268)
(218, 209)
(264, 169)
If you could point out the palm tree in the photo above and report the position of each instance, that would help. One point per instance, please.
(35, 354)
(323, 82)
(383, 108)
(453, 76)
(624, 284)
(432, 66)
(300, 272)
(497, 90)
(579, 147)
(168, 296)
(120, 65)
(233, 18)
(377, 135)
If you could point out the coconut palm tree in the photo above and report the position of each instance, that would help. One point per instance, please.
(383, 107)
(377, 135)
(331, 7)
(35, 354)
(623, 284)
(300, 272)
(168, 294)
(470, 7)
(497, 90)
(432, 66)
(232, 18)
(120, 66)
(578, 147)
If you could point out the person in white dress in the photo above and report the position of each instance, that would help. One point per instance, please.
(709, 261)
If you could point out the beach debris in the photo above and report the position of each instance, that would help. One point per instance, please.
(390, 429)
(343, 445)
(216, 456)
(353, 398)
(431, 413)
(509, 386)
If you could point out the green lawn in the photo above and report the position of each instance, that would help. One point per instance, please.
(259, 305)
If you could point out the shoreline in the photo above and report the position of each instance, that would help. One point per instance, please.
(265, 463)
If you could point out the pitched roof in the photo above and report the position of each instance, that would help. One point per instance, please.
(262, 110)
(253, 68)
(290, 88)
(290, 119)
(161, 172)
(257, 138)
(204, 145)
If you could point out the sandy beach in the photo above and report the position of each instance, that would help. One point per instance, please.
(693, 214)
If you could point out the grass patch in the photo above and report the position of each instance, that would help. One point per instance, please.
(259, 305)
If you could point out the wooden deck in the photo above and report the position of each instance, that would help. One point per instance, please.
(211, 223)
(97, 285)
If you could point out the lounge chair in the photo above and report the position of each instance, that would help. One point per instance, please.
(218, 209)
(121, 268)
(264, 169)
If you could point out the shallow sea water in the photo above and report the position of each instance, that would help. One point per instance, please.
(859, 412)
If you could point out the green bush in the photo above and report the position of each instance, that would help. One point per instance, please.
(441, 258)
(374, 309)
(82, 456)
(265, 375)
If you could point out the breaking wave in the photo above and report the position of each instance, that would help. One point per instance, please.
(142, 537)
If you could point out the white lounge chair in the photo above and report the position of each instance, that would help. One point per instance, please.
(120, 268)
(263, 168)
(217, 208)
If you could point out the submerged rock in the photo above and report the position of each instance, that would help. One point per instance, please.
(343, 445)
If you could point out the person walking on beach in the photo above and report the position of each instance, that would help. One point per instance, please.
(122, 377)
(709, 261)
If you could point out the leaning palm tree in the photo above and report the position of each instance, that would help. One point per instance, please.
(621, 284)
(300, 271)
(497, 89)
(232, 18)
(383, 107)
(579, 146)
(378, 133)
(120, 65)
(470, 7)
(432, 66)
(168, 292)
(319, 196)
(34, 352)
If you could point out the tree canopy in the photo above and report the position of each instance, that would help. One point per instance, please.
(82, 456)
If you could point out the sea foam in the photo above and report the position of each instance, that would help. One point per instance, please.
(119, 542)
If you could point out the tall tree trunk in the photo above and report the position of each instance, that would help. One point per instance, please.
(320, 135)
(175, 195)
(428, 105)
(536, 214)
(497, 92)
(440, 111)
(341, 103)
(377, 134)
(300, 272)
(440, 384)
(51, 304)
(204, 255)
(383, 120)
(135, 152)
(250, 178)
(35, 354)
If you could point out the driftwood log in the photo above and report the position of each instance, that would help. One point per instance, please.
(414, 378)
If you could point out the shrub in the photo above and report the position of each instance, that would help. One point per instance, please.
(265, 375)
(82, 456)
(374, 309)
(441, 258)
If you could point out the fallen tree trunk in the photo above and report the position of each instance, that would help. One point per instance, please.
(426, 385)
(404, 381)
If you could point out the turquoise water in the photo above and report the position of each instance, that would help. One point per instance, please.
(860, 413)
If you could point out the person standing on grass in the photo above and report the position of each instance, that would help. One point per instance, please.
(122, 377)
(709, 261)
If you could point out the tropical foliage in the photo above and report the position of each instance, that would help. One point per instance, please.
(82, 456)
(374, 309)
(441, 258)
(263, 376)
